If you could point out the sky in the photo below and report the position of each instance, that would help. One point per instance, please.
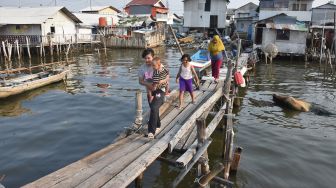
(175, 6)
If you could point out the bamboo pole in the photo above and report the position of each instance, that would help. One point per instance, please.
(9, 49)
(32, 67)
(177, 42)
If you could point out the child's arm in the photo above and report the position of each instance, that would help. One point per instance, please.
(178, 74)
(195, 74)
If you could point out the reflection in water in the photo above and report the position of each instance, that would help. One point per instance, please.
(12, 106)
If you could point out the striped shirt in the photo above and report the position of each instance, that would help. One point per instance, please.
(159, 75)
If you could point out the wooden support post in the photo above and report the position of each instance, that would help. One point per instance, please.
(201, 136)
(9, 50)
(236, 160)
(138, 181)
(177, 42)
(4, 50)
(138, 118)
(28, 48)
(17, 49)
(238, 53)
(205, 180)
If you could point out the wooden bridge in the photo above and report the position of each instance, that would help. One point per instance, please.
(124, 161)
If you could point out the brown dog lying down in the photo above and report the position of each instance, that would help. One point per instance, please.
(299, 105)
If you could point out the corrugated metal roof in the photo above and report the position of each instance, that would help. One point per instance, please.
(98, 8)
(143, 2)
(295, 27)
(31, 15)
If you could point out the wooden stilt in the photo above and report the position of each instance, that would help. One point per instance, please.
(17, 49)
(4, 50)
(205, 180)
(201, 136)
(138, 181)
(138, 118)
(236, 160)
(28, 48)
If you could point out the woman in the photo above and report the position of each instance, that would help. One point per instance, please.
(145, 72)
(216, 48)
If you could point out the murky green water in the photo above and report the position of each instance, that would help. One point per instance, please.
(46, 129)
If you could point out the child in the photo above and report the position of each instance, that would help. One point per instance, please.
(184, 76)
(160, 78)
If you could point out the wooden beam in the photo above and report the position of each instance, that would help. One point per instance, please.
(205, 180)
(192, 119)
(199, 153)
(187, 156)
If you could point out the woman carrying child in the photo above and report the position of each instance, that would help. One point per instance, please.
(160, 78)
(185, 78)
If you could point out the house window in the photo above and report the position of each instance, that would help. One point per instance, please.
(17, 27)
(303, 7)
(295, 7)
(207, 6)
(282, 34)
(213, 21)
(52, 29)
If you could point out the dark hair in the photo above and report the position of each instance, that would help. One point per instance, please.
(147, 51)
(157, 59)
(185, 56)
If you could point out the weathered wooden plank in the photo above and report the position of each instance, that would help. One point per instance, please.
(187, 156)
(184, 139)
(134, 169)
(193, 117)
(69, 171)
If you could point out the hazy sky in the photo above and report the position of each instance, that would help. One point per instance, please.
(75, 5)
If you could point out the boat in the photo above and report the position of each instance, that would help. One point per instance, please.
(20, 84)
(200, 60)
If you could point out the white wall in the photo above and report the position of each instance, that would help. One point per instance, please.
(296, 43)
(24, 30)
(300, 15)
(195, 16)
(62, 24)
(321, 16)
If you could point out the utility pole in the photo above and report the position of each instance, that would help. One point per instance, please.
(19, 3)
(90, 4)
(55, 2)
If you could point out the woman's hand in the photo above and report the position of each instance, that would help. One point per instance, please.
(177, 80)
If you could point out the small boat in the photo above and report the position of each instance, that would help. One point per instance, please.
(25, 83)
(201, 60)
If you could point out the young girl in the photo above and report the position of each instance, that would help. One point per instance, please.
(184, 76)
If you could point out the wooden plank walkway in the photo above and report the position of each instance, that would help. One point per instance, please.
(118, 164)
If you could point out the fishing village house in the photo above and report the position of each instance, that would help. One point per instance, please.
(323, 19)
(205, 15)
(244, 18)
(146, 8)
(97, 20)
(286, 32)
(301, 9)
(143, 27)
(39, 24)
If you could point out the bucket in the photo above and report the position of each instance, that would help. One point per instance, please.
(102, 21)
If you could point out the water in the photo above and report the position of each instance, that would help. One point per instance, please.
(48, 128)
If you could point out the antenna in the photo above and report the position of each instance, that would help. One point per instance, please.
(90, 4)
(19, 3)
(55, 2)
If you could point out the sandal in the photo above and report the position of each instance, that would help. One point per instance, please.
(150, 135)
